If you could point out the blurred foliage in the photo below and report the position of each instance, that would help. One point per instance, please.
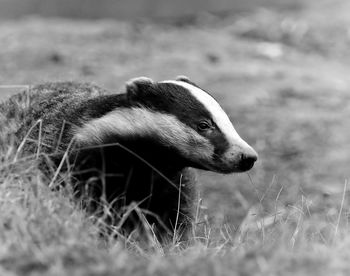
(134, 9)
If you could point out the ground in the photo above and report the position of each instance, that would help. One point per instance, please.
(281, 75)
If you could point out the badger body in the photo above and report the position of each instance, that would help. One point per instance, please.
(137, 147)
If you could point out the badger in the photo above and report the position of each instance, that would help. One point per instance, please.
(137, 147)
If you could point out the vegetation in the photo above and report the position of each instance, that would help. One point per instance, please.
(283, 78)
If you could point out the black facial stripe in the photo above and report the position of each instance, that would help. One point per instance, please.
(219, 141)
(176, 100)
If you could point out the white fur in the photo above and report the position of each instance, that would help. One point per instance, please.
(144, 122)
(218, 115)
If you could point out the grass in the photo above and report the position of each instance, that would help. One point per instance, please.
(45, 233)
(282, 77)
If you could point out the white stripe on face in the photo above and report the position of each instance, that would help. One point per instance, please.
(219, 116)
(141, 122)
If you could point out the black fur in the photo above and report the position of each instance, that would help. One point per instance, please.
(109, 172)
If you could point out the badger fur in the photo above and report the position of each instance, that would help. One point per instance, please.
(136, 147)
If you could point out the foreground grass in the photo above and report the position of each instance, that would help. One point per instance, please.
(43, 232)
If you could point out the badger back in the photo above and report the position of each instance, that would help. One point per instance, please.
(60, 106)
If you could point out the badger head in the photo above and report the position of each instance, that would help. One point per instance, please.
(181, 118)
(191, 120)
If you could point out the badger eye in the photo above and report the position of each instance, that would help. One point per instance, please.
(202, 126)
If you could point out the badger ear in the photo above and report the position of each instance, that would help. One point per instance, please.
(183, 78)
(133, 86)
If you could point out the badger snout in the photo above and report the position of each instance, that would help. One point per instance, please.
(247, 160)
(239, 160)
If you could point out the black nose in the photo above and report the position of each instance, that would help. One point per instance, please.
(247, 161)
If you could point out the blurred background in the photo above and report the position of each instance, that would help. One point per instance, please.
(280, 68)
(130, 9)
